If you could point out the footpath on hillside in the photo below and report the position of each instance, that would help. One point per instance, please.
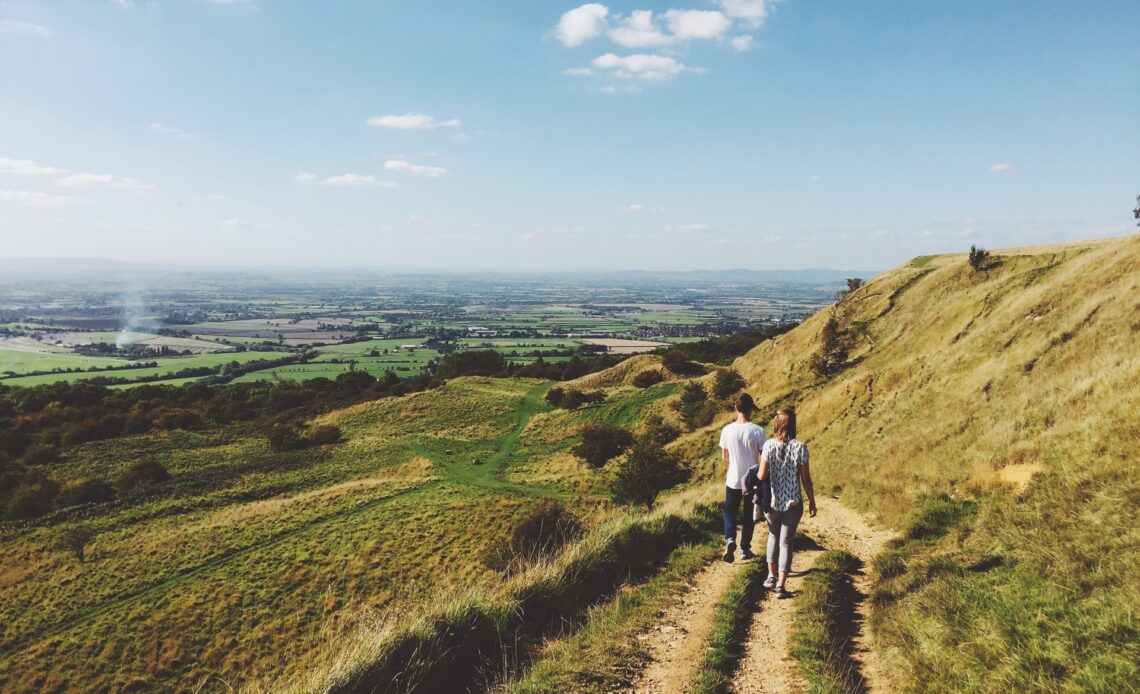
(676, 644)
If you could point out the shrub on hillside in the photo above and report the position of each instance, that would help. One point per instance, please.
(84, 491)
(832, 353)
(726, 383)
(979, 258)
(543, 531)
(32, 497)
(554, 396)
(602, 443)
(677, 362)
(647, 471)
(40, 454)
(290, 437)
(695, 407)
(573, 399)
(658, 433)
(142, 474)
(649, 378)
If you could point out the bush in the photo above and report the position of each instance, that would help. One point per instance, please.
(646, 379)
(32, 498)
(727, 383)
(573, 399)
(602, 443)
(645, 473)
(543, 531)
(84, 491)
(475, 362)
(324, 435)
(142, 474)
(41, 454)
(678, 363)
(833, 350)
(978, 258)
(288, 437)
(658, 433)
(554, 396)
(695, 407)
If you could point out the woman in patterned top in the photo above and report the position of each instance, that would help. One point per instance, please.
(784, 460)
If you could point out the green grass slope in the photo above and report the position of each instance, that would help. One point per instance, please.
(995, 417)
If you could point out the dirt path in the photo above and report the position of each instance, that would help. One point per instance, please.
(676, 644)
(767, 666)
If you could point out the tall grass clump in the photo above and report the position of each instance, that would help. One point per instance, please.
(820, 642)
(725, 644)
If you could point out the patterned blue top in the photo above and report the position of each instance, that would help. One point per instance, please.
(784, 463)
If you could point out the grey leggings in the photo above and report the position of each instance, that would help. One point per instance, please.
(781, 531)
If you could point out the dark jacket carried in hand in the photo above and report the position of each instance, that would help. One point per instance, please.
(760, 491)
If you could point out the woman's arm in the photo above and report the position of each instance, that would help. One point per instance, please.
(805, 477)
(763, 468)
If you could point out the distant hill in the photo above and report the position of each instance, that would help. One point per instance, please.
(995, 416)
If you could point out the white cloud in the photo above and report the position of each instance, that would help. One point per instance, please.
(608, 89)
(412, 121)
(741, 43)
(1002, 168)
(581, 24)
(13, 26)
(169, 130)
(304, 177)
(690, 228)
(751, 12)
(87, 180)
(30, 198)
(638, 30)
(404, 166)
(637, 208)
(640, 66)
(697, 24)
(349, 180)
(815, 179)
(578, 71)
(26, 167)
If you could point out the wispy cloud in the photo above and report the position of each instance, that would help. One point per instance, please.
(741, 43)
(640, 66)
(412, 121)
(348, 180)
(30, 198)
(91, 180)
(689, 228)
(638, 208)
(1002, 168)
(581, 24)
(639, 30)
(16, 27)
(750, 12)
(697, 24)
(163, 129)
(404, 166)
(26, 167)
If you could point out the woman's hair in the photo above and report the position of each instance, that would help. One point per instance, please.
(744, 404)
(784, 425)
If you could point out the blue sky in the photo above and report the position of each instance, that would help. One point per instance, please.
(680, 135)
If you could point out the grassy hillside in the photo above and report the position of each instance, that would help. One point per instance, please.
(248, 563)
(995, 416)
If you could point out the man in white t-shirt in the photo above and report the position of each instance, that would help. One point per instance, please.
(740, 445)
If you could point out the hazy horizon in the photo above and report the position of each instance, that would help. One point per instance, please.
(659, 136)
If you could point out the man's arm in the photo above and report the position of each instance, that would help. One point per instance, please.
(724, 454)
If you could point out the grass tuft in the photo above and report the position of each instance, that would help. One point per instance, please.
(731, 619)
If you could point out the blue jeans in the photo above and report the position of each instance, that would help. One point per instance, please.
(732, 499)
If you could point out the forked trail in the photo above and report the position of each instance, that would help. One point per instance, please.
(676, 644)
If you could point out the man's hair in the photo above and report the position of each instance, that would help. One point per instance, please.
(744, 404)
(784, 425)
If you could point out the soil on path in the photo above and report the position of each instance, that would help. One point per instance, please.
(676, 643)
(768, 666)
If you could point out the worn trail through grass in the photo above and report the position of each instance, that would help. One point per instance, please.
(677, 642)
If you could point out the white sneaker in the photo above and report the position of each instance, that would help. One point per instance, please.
(730, 551)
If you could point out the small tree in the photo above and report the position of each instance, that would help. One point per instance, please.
(854, 283)
(76, 539)
(602, 443)
(978, 258)
(832, 349)
(645, 473)
(1136, 212)
(726, 383)
(695, 407)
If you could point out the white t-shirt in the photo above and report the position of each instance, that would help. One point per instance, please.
(743, 441)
